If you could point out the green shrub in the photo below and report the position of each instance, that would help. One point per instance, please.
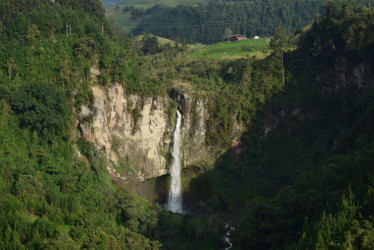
(42, 108)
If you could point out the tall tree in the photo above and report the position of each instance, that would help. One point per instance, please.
(279, 44)
(150, 44)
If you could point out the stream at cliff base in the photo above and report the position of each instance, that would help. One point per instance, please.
(175, 192)
(226, 237)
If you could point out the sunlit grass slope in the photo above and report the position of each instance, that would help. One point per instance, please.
(252, 47)
(161, 40)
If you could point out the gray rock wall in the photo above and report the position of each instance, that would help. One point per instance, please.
(136, 132)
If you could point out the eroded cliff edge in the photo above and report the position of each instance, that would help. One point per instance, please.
(135, 133)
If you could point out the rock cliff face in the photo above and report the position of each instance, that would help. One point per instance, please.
(135, 133)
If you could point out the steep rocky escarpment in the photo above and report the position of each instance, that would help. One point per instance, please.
(135, 133)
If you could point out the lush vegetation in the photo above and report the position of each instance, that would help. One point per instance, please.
(207, 24)
(50, 197)
(145, 4)
(253, 47)
(301, 177)
(209, 21)
(124, 13)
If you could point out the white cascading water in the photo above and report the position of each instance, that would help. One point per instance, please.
(175, 195)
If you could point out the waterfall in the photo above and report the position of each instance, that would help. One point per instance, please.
(175, 196)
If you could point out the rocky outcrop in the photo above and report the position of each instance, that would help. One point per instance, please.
(135, 133)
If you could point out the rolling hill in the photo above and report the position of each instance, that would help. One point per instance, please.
(127, 22)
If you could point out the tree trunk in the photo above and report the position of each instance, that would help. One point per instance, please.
(282, 65)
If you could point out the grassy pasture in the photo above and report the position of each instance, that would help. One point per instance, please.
(252, 47)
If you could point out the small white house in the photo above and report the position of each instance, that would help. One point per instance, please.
(256, 37)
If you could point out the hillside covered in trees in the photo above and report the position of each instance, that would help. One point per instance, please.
(213, 22)
(300, 178)
(50, 198)
(304, 176)
(207, 24)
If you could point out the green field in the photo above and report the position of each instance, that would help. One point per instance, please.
(252, 47)
(124, 21)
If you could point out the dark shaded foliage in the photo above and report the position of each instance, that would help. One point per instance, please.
(207, 24)
(44, 109)
(309, 145)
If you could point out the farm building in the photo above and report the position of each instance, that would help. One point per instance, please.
(237, 38)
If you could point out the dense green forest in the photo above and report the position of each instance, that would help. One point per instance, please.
(49, 197)
(301, 178)
(216, 21)
(207, 24)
